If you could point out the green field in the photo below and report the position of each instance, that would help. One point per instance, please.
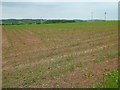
(67, 55)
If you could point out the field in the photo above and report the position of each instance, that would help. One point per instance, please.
(68, 55)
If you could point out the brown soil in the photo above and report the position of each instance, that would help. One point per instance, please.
(82, 79)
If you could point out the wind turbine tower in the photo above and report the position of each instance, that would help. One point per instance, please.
(105, 16)
(41, 21)
(91, 16)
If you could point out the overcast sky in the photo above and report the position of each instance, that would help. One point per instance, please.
(60, 10)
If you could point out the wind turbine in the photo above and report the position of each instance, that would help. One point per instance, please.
(91, 16)
(105, 16)
(41, 20)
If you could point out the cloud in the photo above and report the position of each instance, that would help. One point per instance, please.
(81, 10)
(60, 1)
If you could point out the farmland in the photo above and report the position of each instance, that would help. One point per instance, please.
(75, 55)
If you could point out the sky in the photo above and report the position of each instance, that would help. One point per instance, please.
(60, 0)
(59, 10)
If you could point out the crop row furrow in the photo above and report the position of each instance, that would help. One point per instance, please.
(74, 46)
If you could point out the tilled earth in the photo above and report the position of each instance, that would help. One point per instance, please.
(59, 55)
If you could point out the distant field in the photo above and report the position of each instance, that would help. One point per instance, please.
(59, 55)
